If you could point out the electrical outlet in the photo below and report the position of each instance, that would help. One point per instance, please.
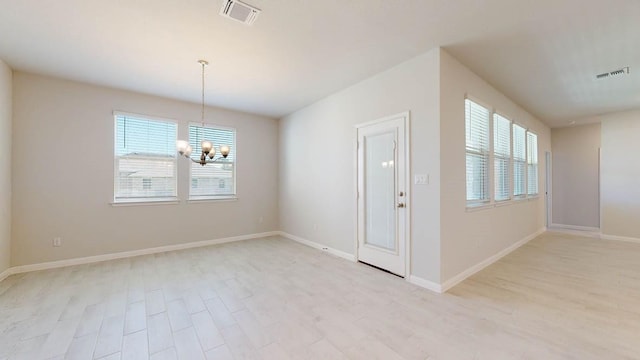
(315, 227)
(57, 241)
(260, 220)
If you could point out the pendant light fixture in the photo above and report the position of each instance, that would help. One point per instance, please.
(208, 148)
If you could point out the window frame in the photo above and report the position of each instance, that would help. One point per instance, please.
(537, 165)
(475, 205)
(495, 113)
(523, 161)
(215, 198)
(481, 202)
(133, 201)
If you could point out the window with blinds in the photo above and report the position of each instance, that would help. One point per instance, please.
(501, 157)
(532, 163)
(477, 120)
(217, 180)
(519, 161)
(145, 159)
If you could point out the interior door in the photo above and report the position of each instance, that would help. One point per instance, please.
(382, 195)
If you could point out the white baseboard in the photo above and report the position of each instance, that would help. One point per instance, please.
(5, 274)
(451, 282)
(318, 246)
(128, 254)
(576, 229)
(619, 238)
(427, 284)
(590, 232)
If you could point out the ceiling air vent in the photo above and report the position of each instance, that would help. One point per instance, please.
(623, 71)
(239, 11)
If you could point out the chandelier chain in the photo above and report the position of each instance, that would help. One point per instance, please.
(207, 148)
(202, 109)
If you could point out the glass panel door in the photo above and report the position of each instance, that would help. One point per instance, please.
(382, 193)
(380, 190)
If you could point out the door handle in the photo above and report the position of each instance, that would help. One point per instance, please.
(400, 205)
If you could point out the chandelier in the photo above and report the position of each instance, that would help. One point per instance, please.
(208, 148)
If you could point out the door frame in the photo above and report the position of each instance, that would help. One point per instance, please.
(406, 116)
(548, 162)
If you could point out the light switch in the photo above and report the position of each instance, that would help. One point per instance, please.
(421, 179)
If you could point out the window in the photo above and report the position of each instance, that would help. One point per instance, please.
(145, 159)
(532, 163)
(213, 181)
(519, 161)
(501, 157)
(477, 152)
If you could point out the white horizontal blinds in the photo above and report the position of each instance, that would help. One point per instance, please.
(519, 160)
(532, 163)
(145, 159)
(217, 179)
(502, 157)
(477, 151)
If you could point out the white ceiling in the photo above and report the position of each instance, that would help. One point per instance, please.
(544, 54)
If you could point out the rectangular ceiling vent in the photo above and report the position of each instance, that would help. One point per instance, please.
(239, 11)
(623, 71)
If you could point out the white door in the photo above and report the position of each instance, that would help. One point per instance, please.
(382, 194)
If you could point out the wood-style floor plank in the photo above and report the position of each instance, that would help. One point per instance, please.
(557, 297)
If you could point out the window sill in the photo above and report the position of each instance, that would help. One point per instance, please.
(213, 199)
(141, 202)
(478, 207)
(505, 202)
(484, 206)
(528, 198)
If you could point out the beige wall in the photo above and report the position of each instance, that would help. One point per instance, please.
(317, 161)
(468, 238)
(63, 175)
(446, 239)
(620, 174)
(5, 164)
(575, 183)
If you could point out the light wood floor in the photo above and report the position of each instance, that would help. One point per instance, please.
(558, 297)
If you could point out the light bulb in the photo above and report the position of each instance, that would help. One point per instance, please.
(206, 146)
(181, 146)
(212, 153)
(224, 150)
(188, 150)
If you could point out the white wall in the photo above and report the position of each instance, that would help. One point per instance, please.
(317, 159)
(5, 164)
(620, 174)
(576, 168)
(63, 175)
(469, 238)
